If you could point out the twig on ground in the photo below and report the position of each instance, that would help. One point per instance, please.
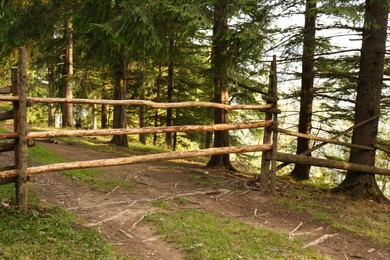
(151, 239)
(124, 233)
(132, 202)
(108, 194)
(107, 219)
(255, 213)
(308, 232)
(291, 234)
(135, 223)
(320, 240)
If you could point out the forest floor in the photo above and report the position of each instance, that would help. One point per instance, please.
(118, 214)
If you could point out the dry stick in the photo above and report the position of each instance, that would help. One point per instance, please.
(308, 232)
(206, 192)
(124, 233)
(135, 223)
(107, 219)
(292, 233)
(320, 240)
(135, 102)
(333, 138)
(138, 159)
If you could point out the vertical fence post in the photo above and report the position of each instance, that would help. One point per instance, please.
(15, 93)
(274, 84)
(22, 138)
(267, 179)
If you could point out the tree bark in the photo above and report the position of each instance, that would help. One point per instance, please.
(51, 86)
(171, 85)
(104, 111)
(300, 171)
(142, 112)
(220, 62)
(360, 184)
(67, 84)
(120, 119)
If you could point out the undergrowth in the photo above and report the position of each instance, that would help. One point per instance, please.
(48, 234)
(96, 178)
(363, 217)
(204, 235)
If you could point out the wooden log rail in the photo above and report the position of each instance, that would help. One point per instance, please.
(301, 159)
(332, 141)
(138, 159)
(149, 130)
(135, 102)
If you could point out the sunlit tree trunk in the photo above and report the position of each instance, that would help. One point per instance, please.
(67, 84)
(220, 71)
(120, 119)
(302, 172)
(368, 100)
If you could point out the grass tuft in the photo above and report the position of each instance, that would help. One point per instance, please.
(203, 235)
(52, 233)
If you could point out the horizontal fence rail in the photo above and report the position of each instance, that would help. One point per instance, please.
(136, 102)
(146, 130)
(138, 159)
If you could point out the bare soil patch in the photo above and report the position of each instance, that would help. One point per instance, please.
(118, 214)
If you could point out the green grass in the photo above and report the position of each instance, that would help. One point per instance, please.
(50, 234)
(203, 235)
(97, 179)
(364, 218)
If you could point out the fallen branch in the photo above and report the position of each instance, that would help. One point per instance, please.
(291, 234)
(108, 194)
(308, 232)
(124, 233)
(107, 219)
(320, 240)
(135, 223)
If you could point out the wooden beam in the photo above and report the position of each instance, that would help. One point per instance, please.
(22, 164)
(6, 115)
(331, 141)
(6, 147)
(150, 130)
(135, 102)
(8, 180)
(6, 90)
(138, 159)
(318, 146)
(301, 159)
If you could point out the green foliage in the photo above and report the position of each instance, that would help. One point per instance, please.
(51, 233)
(203, 235)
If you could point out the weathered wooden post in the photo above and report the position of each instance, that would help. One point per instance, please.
(15, 93)
(21, 152)
(267, 179)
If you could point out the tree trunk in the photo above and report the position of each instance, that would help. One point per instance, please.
(361, 184)
(301, 172)
(171, 85)
(120, 94)
(104, 111)
(142, 112)
(220, 62)
(67, 84)
(51, 86)
(156, 115)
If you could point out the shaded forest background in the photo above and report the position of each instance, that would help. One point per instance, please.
(213, 50)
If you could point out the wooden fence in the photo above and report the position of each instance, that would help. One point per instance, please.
(19, 172)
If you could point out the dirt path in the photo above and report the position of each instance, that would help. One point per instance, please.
(118, 214)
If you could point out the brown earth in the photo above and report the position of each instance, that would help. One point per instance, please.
(118, 214)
